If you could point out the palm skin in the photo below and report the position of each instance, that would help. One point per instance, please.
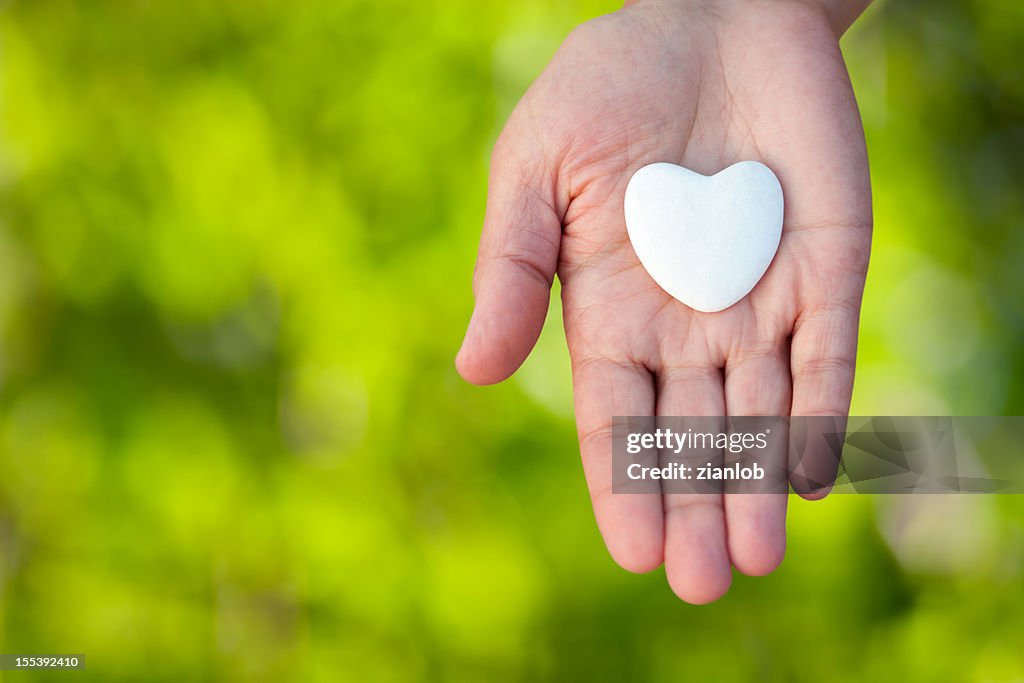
(703, 85)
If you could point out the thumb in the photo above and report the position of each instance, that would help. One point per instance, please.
(516, 262)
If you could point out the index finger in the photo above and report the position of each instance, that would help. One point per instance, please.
(630, 523)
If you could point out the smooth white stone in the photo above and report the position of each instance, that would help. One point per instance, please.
(706, 240)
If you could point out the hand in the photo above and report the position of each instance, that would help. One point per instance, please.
(704, 85)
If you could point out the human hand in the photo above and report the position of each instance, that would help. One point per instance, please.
(703, 85)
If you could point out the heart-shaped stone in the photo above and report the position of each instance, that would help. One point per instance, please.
(706, 240)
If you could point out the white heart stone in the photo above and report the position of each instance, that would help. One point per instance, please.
(706, 240)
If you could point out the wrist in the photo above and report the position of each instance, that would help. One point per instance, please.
(839, 14)
(842, 13)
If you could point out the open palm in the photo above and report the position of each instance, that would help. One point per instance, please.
(703, 85)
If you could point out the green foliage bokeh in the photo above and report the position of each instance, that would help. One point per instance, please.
(236, 241)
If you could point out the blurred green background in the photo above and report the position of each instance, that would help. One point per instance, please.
(236, 241)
